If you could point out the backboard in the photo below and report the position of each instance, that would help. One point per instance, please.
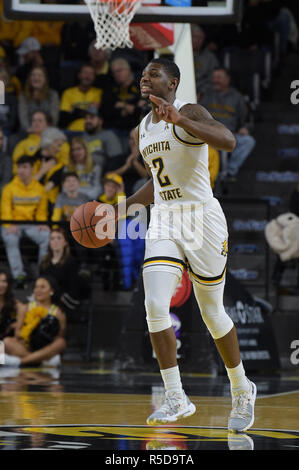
(170, 11)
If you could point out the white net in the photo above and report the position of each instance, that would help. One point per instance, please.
(111, 21)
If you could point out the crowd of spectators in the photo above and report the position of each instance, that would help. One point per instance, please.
(65, 139)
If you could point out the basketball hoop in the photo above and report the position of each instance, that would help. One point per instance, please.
(111, 21)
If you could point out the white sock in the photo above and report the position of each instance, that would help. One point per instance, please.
(238, 379)
(172, 379)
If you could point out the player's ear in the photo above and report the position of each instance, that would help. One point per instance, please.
(173, 83)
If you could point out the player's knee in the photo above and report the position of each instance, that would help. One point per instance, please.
(157, 310)
(210, 301)
(217, 321)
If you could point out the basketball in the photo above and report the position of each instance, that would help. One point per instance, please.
(86, 226)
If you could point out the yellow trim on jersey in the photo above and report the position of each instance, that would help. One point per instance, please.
(164, 261)
(189, 144)
(206, 281)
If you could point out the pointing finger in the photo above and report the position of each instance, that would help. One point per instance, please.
(155, 99)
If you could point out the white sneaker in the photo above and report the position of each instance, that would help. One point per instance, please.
(242, 414)
(176, 405)
(55, 361)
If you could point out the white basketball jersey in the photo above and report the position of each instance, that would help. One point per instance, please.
(178, 161)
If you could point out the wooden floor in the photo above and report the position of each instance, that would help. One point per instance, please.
(80, 407)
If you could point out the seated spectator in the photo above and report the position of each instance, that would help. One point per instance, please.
(109, 262)
(60, 265)
(227, 105)
(205, 61)
(66, 203)
(5, 164)
(8, 306)
(99, 59)
(122, 107)
(24, 199)
(31, 144)
(8, 110)
(76, 100)
(113, 189)
(88, 173)
(40, 329)
(132, 171)
(49, 166)
(294, 201)
(14, 85)
(29, 54)
(103, 144)
(37, 96)
(122, 258)
(69, 199)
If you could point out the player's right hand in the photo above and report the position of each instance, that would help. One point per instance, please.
(166, 111)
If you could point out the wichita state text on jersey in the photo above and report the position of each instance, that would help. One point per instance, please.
(178, 161)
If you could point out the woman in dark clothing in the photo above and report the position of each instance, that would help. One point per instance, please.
(59, 264)
(8, 306)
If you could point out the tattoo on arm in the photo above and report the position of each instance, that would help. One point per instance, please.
(206, 128)
(196, 112)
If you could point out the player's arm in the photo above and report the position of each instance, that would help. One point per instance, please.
(197, 121)
(144, 196)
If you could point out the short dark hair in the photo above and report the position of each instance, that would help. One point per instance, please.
(170, 67)
(69, 175)
(25, 159)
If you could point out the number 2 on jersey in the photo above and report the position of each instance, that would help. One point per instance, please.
(163, 180)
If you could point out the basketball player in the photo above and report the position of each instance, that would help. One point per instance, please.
(173, 139)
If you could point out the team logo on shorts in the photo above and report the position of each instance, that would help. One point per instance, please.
(224, 250)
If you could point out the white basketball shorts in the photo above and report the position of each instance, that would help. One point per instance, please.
(191, 236)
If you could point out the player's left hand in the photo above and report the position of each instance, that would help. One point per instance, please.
(165, 110)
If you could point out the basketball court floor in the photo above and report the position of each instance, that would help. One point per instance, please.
(80, 407)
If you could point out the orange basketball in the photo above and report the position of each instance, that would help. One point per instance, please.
(93, 224)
